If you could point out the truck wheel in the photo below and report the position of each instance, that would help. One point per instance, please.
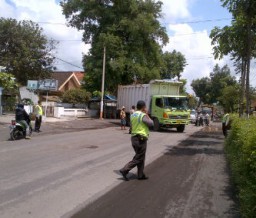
(156, 124)
(181, 128)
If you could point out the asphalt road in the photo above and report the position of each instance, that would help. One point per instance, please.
(190, 180)
(61, 174)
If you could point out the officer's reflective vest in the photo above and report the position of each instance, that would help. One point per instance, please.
(138, 126)
(39, 110)
(225, 119)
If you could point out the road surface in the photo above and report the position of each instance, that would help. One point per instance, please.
(189, 181)
(58, 175)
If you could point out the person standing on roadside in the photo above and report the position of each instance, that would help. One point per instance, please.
(140, 122)
(39, 114)
(131, 112)
(123, 118)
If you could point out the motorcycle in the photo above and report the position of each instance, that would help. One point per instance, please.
(18, 130)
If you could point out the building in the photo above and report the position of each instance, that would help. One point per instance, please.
(68, 80)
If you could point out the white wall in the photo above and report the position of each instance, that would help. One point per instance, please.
(24, 93)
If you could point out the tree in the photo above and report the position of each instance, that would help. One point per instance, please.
(202, 88)
(76, 96)
(130, 31)
(7, 81)
(173, 65)
(229, 98)
(239, 41)
(210, 90)
(24, 51)
(192, 101)
(220, 79)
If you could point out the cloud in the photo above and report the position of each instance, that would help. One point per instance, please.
(196, 46)
(173, 9)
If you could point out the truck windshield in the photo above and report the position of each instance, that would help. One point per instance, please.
(176, 103)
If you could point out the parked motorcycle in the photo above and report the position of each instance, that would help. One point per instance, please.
(18, 130)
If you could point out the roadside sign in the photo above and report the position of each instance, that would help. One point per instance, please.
(32, 84)
(48, 84)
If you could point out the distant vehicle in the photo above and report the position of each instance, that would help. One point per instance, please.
(193, 116)
(166, 106)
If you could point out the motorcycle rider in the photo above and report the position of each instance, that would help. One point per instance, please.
(22, 117)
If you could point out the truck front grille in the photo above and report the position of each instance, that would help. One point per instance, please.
(177, 117)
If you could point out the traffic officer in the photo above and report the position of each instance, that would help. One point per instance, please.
(225, 124)
(39, 114)
(140, 122)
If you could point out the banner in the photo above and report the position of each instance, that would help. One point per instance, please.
(48, 84)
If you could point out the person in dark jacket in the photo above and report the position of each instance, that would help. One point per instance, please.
(22, 117)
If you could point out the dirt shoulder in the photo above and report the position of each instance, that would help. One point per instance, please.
(75, 125)
(189, 180)
(59, 126)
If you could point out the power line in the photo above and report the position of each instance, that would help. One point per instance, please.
(51, 23)
(200, 21)
(184, 22)
(199, 58)
(68, 62)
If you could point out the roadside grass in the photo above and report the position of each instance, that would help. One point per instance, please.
(240, 147)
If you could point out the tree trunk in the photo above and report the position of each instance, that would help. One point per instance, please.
(242, 93)
(248, 60)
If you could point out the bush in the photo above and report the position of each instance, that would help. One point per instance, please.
(76, 96)
(240, 148)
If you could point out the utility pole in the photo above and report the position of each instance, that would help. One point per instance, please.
(103, 82)
(1, 111)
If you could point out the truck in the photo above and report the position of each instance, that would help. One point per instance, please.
(165, 105)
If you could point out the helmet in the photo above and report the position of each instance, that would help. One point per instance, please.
(20, 105)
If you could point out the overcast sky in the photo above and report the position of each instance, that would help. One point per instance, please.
(188, 24)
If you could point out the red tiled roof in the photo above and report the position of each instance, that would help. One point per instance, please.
(63, 76)
(79, 75)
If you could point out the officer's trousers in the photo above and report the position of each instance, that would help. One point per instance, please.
(140, 146)
(38, 122)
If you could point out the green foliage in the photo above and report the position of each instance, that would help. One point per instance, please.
(24, 50)
(192, 102)
(238, 40)
(202, 89)
(132, 34)
(76, 96)
(210, 90)
(240, 148)
(229, 98)
(173, 65)
(7, 81)
(220, 79)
